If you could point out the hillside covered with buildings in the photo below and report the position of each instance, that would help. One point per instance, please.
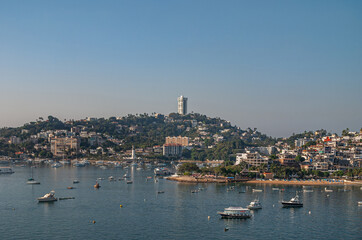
(182, 137)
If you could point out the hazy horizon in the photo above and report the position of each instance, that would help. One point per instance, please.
(282, 67)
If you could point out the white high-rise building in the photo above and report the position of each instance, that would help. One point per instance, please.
(182, 105)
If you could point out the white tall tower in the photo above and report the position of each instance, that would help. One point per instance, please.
(182, 105)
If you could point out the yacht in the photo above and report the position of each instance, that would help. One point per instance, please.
(56, 165)
(161, 171)
(294, 202)
(49, 197)
(235, 212)
(255, 205)
(6, 170)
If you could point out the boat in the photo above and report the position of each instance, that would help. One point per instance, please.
(294, 202)
(359, 203)
(97, 185)
(328, 190)
(126, 175)
(75, 181)
(111, 178)
(162, 172)
(255, 205)
(56, 165)
(232, 188)
(31, 179)
(70, 187)
(129, 182)
(6, 170)
(49, 197)
(257, 190)
(307, 190)
(275, 189)
(235, 212)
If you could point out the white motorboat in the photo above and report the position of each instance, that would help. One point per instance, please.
(257, 190)
(49, 197)
(255, 205)
(235, 212)
(294, 202)
(328, 190)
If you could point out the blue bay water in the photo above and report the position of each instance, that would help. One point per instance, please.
(175, 214)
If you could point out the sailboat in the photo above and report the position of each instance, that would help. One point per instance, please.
(31, 179)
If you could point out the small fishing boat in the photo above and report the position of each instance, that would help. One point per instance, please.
(49, 197)
(129, 182)
(275, 189)
(235, 212)
(75, 181)
(97, 185)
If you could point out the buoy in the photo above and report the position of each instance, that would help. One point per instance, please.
(94, 222)
(120, 205)
(208, 217)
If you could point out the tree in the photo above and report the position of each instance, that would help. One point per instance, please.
(188, 167)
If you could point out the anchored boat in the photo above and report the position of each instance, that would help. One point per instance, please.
(294, 202)
(235, 212)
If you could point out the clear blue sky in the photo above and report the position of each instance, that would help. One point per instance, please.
(279, 66)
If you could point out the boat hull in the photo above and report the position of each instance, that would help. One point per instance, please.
(47, 200)
(289, 205)
(233, 216)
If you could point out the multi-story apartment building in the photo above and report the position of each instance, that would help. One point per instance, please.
(182, 105)
(183, 141)
(251, 158)
(59, 145)
(172, 149)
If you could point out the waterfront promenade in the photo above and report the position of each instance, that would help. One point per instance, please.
(319, 182)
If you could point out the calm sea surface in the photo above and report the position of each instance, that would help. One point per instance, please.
(175, 214)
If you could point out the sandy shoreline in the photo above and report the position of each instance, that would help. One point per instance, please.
(190, 179)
